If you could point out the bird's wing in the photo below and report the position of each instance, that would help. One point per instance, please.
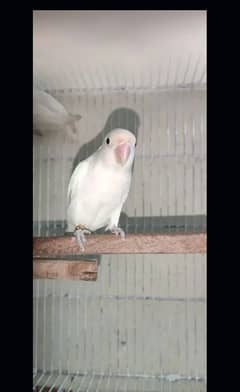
(45, 99)
(114, 218)
(77, 178)
(45, 119)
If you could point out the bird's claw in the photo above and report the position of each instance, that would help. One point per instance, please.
(118, 231)
(80, 237)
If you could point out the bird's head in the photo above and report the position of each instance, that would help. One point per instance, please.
(118, 148)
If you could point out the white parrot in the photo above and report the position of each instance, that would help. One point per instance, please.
(99, 186)
(51, 115)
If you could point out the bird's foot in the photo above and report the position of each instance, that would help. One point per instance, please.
(117, 231)
(79, 235)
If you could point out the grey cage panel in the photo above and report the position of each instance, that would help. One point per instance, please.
(139, 327)
(168, 191)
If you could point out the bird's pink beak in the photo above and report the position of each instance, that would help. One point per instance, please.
(122, 152)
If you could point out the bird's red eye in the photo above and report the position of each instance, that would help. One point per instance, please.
(107, 140)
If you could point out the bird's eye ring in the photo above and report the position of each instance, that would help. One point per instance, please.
(107, 140)
(136, 144)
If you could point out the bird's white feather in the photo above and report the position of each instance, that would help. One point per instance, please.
(51, 115)
(99, 187)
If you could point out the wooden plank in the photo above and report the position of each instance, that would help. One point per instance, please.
(64, 269)
(133, 243)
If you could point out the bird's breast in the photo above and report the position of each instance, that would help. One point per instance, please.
(100, 195)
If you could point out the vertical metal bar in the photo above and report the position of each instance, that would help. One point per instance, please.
(60, 329)
(44, 345)
(143, 313)
(127, 123)
(168, 72)
(168, 158)
(152, 306)
(186, 316)
(85, 331)
(118, 84)
(36, 324)
(126, 312)
(201, 173)
(143, 171)
(53, 322)
(195, 69)
(87, 117)
(160, 322)
(134, 178)
(143, 386)
(34, 176)
(126, 383)
(68, 332)
(136, 385)
(158, 80)
(63, 157)
(108, 382)
(48, 191)
(175, 144)
(202, 167)
(101, 328)
(54, 204)
(118, 317)
(135, 313)
(178, 348)
(151, 95)
(205, 308)
(169, 319)
(109, 263)
(78, 304)
(187, 69)
(195, 318)
(91, 335)
(99, 383)
(193, 172)
(116, 384)
(40, 191)
(159, 165)
(184, 168)
(202, 76)
(168, 141)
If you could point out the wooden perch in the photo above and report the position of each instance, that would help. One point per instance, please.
(134, 243)
(64, 269)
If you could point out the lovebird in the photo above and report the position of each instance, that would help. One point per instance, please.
(99, 186)
(50, 115)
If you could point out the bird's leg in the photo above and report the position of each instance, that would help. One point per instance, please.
(117, 231)
(79, 235)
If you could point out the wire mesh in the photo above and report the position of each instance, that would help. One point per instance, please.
(142, 321)
(106, 383)
(141, 325)
(168, 191)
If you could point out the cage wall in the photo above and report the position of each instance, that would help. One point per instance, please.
(168, 190)
(140, 326)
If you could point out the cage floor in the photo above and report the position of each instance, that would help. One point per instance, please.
(106, 383)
